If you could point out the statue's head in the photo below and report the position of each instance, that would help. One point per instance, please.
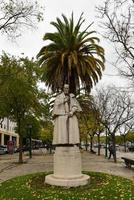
(66, 89)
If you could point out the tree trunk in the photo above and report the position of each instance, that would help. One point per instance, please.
(86, 144)
(91, 144)
(20, 142)
(20, 149)
(114, 147)
(98, 136)
(106, 149)
(124, 140)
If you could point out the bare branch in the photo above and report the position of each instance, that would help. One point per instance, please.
(116, 108)
(116, 19)
(15, 16)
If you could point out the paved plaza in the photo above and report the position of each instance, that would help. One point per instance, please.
(43, 161)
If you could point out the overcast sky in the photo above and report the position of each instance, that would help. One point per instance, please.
(31, 42)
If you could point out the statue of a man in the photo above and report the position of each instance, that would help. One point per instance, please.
(66, 129)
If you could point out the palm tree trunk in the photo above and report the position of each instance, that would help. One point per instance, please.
(72, 85)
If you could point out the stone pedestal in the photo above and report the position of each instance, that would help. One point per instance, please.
(67, 168)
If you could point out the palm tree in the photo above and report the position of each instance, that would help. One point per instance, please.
(72, 57)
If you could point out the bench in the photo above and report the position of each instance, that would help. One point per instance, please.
(128, 161)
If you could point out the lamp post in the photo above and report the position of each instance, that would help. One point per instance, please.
(30, 140)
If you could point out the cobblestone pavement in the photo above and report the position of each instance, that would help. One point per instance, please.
(43, 161)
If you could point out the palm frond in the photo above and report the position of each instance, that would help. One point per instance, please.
(72, 56)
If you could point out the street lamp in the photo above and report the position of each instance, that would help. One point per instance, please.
(30, 140)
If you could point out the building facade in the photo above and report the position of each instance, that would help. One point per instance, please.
(7, 132)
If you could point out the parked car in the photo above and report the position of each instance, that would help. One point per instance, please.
(97, 145)
(3, 149)
(131, 147)
(116, 146)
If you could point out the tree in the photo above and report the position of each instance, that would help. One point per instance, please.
(47, 100)
(19, 93)
(100, 129)
(46, 131)
(117, 22)
(3, 113)
(130, 136)
(36, 126)
(91, 124)
(15, 16)
(124, 130)
(73, 56)
(88, 120)
(116, 109)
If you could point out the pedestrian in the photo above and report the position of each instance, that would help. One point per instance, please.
(111, 150)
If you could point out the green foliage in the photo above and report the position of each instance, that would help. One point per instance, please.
(90, 123)
(19, 93)
(36, 127)
(130, 136)
(72, 57)
(45, 100)
(85, 118)
(20, 98)
(46, 119)
(119, 139)
(47, 131)
(102, 139)
(102, 186)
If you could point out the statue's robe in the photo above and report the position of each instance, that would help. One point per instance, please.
(66, 129)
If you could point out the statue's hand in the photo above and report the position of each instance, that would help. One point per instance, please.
(70, 114)
(66, 99)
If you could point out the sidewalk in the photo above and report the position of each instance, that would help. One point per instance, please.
(42, 161)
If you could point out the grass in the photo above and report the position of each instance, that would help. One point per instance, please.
(102, 186)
